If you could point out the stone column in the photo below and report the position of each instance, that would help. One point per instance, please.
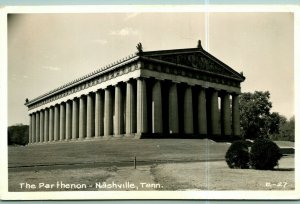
(46, 125)
(90, 117)
(142, 122)
(33, 129)
(37, 127)
(56, 122)
(68, 120)
(41, 126)
(75, 121)
(202, 119)
(215, 115)
(173, 110)
(82, 118)
(99, 108)
(130, 108)
(119, 116)
(188, 111)
(30, 130)
(236, 115)
(62, 122)
(157, 122)
(51, 124)
(225, 114)
(108, 115)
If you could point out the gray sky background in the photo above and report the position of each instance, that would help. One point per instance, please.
(49, 50)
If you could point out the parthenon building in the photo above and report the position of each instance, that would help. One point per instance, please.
(167, 93)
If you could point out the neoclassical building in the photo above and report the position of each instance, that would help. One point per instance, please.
(166, 93)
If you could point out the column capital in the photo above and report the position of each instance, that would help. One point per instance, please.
(234, 93)
(216, 89)
(118, 84)
(129, 80)
(109, 87)
(224, 92)
(201, 87)
(169, 81)
(144, 78)
(98, 90)
(68, 101)
(75, 98)
(187, 84)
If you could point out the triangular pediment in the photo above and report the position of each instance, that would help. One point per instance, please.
(195, 58)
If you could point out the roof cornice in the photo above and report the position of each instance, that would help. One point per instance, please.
(86, 77)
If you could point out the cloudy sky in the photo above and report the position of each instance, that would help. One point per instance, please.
(48, 50)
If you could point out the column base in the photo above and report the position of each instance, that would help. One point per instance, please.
(129, 135)
(118, 136)
(167, 136)
(107, 137)
(217, 138)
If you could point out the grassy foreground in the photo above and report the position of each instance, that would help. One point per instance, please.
(116, 151)
(167, 164)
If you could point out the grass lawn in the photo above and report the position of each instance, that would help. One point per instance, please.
(285, 143)
(172, 164)
(115, 151)
(217, 176)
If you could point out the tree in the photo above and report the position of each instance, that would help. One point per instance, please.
(287, 130)
(18, 134)
(256, 119)
(273, 123)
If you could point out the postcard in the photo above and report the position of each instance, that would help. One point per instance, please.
(150, 102)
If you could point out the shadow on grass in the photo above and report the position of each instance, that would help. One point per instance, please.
(284, 169)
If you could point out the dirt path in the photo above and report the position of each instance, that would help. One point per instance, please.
(141, 178)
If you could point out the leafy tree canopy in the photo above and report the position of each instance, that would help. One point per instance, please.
(256, 118)
(18, 134)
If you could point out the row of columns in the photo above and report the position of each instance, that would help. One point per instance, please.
(125, 110)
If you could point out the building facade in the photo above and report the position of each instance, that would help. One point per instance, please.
(168, 93)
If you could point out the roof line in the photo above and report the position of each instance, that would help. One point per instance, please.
(86, 77)
(161, 52)
(188, 50)
(223, 64)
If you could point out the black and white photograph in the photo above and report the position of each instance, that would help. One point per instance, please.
(151, 102)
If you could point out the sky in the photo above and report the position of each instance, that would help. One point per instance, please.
(49, 50)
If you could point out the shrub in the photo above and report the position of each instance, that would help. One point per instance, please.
(237, 156)
(264, 154)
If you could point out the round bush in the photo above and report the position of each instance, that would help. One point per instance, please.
(264, 154)
(237, 156)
